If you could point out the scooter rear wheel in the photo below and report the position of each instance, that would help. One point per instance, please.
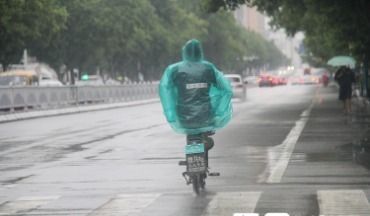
(196, 184)
(202, 181)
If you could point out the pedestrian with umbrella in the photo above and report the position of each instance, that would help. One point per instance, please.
(345, 77)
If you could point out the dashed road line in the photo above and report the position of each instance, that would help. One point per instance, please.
(7, 186)
(343, 202)
(331, 202)
(25, 204)
(125, 205)
(229, 203)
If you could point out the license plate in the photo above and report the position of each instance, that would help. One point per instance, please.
(194, 148)
(195, 157)
(196, 163)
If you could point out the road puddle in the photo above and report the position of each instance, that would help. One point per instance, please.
(271, 156)
(321, 157)
(267, 155)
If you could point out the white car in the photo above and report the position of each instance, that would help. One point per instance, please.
(251, 80)
(89, 83)
(309, 79)
(239, 88)
(50, 82)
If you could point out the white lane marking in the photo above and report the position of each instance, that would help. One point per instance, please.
(277, 214)
(25, 204)
(343, 202)
(246, 214)
(7, 186)
(229, 203)
(125, 205)
(288, 145)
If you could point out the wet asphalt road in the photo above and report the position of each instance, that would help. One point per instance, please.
(287, 149)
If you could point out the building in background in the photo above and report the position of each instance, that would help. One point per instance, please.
(253, 20)
(289, 46)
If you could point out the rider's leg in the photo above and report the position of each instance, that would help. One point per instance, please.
(210, 143)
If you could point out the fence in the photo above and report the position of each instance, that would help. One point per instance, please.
(36, 97)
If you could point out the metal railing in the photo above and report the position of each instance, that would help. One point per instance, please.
(35, 97)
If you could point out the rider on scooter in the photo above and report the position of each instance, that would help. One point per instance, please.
(195, 96)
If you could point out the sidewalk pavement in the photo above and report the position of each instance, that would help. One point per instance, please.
(29, 114)
(331, 149)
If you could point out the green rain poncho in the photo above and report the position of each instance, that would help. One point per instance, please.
(195, 96)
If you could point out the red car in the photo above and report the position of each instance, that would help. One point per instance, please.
(282, 80)
(266, 80)
(297, 80)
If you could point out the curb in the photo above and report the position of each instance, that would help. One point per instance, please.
(30, 114)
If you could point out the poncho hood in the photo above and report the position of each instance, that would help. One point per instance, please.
(192, 51)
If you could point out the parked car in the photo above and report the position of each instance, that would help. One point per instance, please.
(266, 80)
(239, 87)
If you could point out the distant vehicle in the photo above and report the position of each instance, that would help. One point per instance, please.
(282, 80)
(50, 82)
(90, 80)
(112, 82)
(251, 80)
(266, 80)
(309, 80)
(19, 78)
(239, 88)
(296, 80)
(325, 79)
(90, 83)
(307, 71)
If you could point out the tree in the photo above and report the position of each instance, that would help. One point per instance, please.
(108, 35)
(230, 46)
(178, 24)
(123, 38)
(330, 27)
(25, 22)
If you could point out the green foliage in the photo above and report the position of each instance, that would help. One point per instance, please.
(231, 47)
(25, 22)
(331, 28)
(122, 38)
